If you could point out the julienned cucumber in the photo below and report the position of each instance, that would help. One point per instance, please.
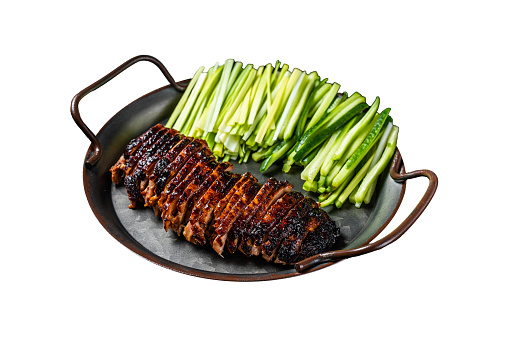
(356, 129)
(321, 135)
(375, 171)
(276, 114)
(366, 145)
(335, 114)
(277, 154)
(301, 125)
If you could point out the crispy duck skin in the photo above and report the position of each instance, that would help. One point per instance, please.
(203, 212)
(247, 213)
(166, 200)
(133, 182)
(136, 162)
(195, 197)
(246, 241)
(293, 219)
(184, 191)
(225, 223)
(180, 163)
(167, 142)
(222, 168)
(164, 171)
(219, 202)
(118, 170)
(225, 204)
(318, 241)
(149, 139)
(133, 145)
(290, 246)
(169, 157)
(175, 159)
(274, 215)
(201, 198)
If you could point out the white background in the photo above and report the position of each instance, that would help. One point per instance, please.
(442, 66)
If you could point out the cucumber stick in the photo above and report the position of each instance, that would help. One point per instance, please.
(237, 67)
(366, 145)
(338, 164)
(329, 97)
(310, 186)
(315, 130)
(272, 110)
(219, 98)
(310, 171)
(186, 111)
(183, 100)
(260, 94)
(277, 154)
(302, 123)
(329, 161)
(356, 129)
(204, 99)
(352, 184)
(290, 105)
(322, 134)
(320, 159)
(329, 198)
(238, 99)
(299, 109)
(380, 148)
(374, 172)
(304, 162)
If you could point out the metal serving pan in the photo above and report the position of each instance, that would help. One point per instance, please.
(142, 232)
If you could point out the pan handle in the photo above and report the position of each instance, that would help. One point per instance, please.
(307, 263)
(97, 148)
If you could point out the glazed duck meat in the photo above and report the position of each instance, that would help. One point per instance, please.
(200, 198)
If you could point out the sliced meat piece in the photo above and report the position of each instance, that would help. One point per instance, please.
(203, 212)
(177, 203)
(136, 162)
(193, 200)
(133, 181)
(238, 227)
(166, 156)
(289, 249)
(133, 145)
(164, 203)
(232, 211)
(173, 160)
(223, 203)
(259, 232)
(118, 171)
(166, 168)
(218, 171)
(318, 241)
(168, 175)
(148, 140)
(246, 242)
(293, 219)
(167, 142)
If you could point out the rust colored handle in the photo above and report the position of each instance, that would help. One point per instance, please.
(391, 237)
(97, 151)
